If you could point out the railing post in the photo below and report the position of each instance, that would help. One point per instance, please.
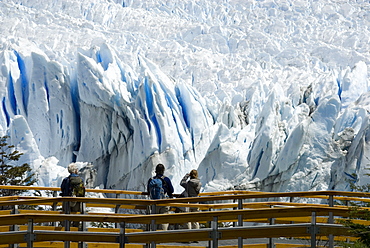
(116, 210)
(271, 240)
(331, 221)
(82, 244)
(240, 222)
(153, 224)
(122, 237)
(148, 211)
(214, 232)
(67, 210)
(54, 207)
(14, 227)
(15, 209)
(312, 230)
(210, 225)
(30, 236)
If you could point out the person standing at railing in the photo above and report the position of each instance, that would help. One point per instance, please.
(72, 185)
(192, 186)
(165, 190)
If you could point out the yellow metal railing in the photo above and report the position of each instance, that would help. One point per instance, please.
(283, 218)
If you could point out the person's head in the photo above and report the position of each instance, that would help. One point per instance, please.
(72, 168)
(159, 169)
(194, 174)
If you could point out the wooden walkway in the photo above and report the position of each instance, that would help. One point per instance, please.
(249, 215)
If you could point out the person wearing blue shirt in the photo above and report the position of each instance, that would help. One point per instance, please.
(168, 191)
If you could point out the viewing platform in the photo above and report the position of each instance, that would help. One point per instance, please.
(227, 219)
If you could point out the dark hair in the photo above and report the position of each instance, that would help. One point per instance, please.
(159, 169)
(194, 174)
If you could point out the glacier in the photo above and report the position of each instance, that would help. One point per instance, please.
(268, 95)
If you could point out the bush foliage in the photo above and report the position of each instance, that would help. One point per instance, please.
(10, 172)
(359, 213)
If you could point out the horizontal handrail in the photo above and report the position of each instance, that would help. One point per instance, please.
(205, 234)
(176, 217)
(107, 191)
(142, 203)
(252, 194)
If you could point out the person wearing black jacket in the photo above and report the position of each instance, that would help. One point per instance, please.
(67, 191)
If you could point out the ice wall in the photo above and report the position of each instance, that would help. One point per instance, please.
(266, 95)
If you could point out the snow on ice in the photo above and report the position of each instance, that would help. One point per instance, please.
(260, 95)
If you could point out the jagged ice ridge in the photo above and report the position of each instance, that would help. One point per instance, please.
(267, 95)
